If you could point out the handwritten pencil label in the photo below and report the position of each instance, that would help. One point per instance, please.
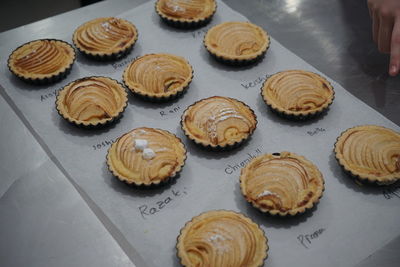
(307, 239)
(316, 131)
(123, 63)
(50, 95)
(103, 144)
(147, 210)
(169, 112)
(200, 33)
(257, 82)
(237, 166)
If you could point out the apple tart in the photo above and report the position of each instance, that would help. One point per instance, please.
(222, 238)
(105, 38)
(92, 101)
(281, 183)
(218, 122)
(42, 61)
(370, 153)
(146, 156)
(186, 13)
(297, 94)
(237, 43)
(158, 77)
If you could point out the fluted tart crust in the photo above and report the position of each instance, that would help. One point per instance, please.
(92, 101)
(297, 93)
(158, 77)
(281, 183)
(146, 156)
(105, 38)
(218, 122)
(370, 153)
(237, 42)
(222, 238)
(186, 13)
(42, 61)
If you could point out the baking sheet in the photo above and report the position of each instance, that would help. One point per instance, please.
(349, 223)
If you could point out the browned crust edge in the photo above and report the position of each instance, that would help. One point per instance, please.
(226, 147)
(362, 177)
(162, 97)
(90, 125)
(185, 23)
(300, 115)
(179, 237)
(293, 212)
(104, 56)
(175, 174)
(235, 61)
(50, 78)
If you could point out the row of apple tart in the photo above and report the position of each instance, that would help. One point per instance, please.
(278, 183)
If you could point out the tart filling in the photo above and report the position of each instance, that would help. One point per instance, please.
(281, 183)
(158, 76)
(222, 238)
(42, 59)
(218, 122)
(370, 153)
(91, 101)
(146, 156)
(297, 93)
(105, 37)
(186, 11)
(242, 41)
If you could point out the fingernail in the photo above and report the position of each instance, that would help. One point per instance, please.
(393, 69)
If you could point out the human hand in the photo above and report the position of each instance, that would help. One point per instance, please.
(385, 16)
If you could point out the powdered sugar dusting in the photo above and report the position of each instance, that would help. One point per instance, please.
(218, 244)
(140, 144)
(148, 153)
(162, 149)
(266, 193)
(223, 114)
(138, 132)
(216, 237)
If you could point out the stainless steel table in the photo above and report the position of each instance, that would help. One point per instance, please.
(58, 225)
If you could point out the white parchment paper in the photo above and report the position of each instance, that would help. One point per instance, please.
(349, 223)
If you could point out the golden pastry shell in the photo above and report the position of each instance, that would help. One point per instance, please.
(292, 212)
(152, 97)
(242, 59)
(85, 124)
(297, 115)
(106, 56)
(362, 177)
(226, 147)
(155, 184)
(182, 22)
(47, 79)
(204, 214)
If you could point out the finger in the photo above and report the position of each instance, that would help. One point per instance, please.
(375, 27)
(385, 33)
(394, 66)
(370, 9)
